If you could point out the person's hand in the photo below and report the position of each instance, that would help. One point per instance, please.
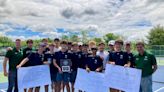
(113, 63)
(102, 58)
(19, 66)
(88, 70)
(97, 70)
(59, 69)
(9, 48)
(126, 65)
(46, 63)
(5, 74)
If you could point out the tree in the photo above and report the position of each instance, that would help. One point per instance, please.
(84, 37)
(65, 37)
(110, 36)
(97, 40)
(156, 36)
(74, 38)
(5, 41)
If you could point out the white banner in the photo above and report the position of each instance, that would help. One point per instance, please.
(122, 78)
(90, 82)
(33, 76)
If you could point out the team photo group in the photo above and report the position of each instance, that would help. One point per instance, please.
(64, 58)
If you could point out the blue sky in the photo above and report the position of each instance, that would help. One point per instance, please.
(27, 32)
(36, 19)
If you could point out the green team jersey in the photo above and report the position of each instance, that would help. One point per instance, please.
(15, 57)
(145, 63)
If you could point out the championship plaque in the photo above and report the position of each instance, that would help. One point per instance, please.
(66, 65)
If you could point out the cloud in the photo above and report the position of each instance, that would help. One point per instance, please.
(90, 11)
(123, 17)
(155, 1)
(67, 13)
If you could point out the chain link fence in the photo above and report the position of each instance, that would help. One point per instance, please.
(158, 51)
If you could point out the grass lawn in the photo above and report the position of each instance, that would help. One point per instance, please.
(2, 78)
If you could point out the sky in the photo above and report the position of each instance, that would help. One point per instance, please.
(36, 19)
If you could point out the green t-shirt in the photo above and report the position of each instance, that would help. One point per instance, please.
(145, 62)
(15, 57)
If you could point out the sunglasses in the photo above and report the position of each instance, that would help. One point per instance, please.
(93, 48)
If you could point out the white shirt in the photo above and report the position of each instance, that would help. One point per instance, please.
(57, 49)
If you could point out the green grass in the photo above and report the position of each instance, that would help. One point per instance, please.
(2, 78)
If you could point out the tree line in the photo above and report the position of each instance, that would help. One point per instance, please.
(155, 37)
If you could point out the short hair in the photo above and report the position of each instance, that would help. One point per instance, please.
(64, 42)
(51, 44)
(119, 41)
(56, 39)
(85, 45)
(127, 43)
(140, 43)
(18, 40)
(44, 39)
(74, 44)
(29, 41)
(69, 43)
(101, 43)
(92, 42)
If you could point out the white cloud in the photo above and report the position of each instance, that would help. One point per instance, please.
(23, 38)
(125, 17)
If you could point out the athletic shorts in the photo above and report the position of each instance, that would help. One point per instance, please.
(73, 76)
(53, 77)
(65, 77)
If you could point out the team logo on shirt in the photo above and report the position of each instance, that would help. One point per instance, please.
(95, 61)
(146, 58)
(65, 62)
(49, 60)
(18, 52)
(121, 56)
(42, 57)
(27, 52)
(79, 56)
(66, 65)
(66, 56)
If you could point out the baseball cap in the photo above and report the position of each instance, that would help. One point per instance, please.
(80, 43)
(42, 45)
(101, 43)
(119, 41)
(111, 42)
(127, 43)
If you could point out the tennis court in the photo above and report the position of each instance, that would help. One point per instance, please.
(158, 78)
